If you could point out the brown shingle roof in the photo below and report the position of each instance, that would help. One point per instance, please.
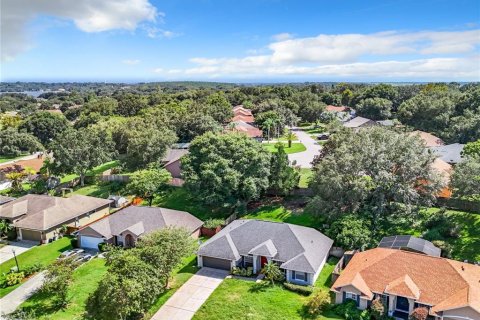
(429, 139)
(411, 274)
(41, 212)
(331, 108)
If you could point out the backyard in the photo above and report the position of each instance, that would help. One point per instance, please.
(241, 299)
(44, 255)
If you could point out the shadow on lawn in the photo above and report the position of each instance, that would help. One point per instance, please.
(260, 287)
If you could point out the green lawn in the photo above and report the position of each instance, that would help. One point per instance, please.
(279, 213)
(95, 171)
(305, 174)
(44, 254)
(7, 158)
(296, 147)
(179, 199)
(85, 280)
(240, 299)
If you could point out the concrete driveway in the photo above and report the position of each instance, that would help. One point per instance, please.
(304, 159)
(190, 297)
(19, 247)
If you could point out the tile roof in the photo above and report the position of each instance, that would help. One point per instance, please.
(248, 129)
(413, 274)
(429, 139)
(331, 108)
(140, 220)
(41, 212)
(299, 248)
(241, 117)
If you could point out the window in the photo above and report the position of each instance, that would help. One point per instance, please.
(299, 276)
(350, 295)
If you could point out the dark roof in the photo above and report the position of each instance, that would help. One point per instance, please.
(173, 155)
(451, 153)
(410, 243)
(4, 199)
(140, 220)
(358, 122)
(298, 248)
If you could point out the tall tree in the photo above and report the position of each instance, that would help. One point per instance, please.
(226, 169)
(283, 178)
(466, 178)
(375, 108)
(77, 151)
(376, 172)
(45, 125)
(219, 108)
(13, 143)
(146, 183)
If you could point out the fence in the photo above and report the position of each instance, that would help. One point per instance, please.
(230, 218)
(459, 204)
(114, 177)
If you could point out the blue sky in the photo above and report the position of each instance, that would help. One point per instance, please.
(240, 41)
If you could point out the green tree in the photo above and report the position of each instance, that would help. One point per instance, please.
(375, 171)
(219, 108)
(283, 178)
(104, 106)
(377, 309)
(166, 249)
(77, 151)
(466, 178)
(472, 149)
(375, 108)
(146, 183)
(351, 232)
(45, 125)
(226, 169)
(290, 137)
(272, 272)
(58, 278)
(14, 143)
(5, 227)
(318, 302)
(130, 104)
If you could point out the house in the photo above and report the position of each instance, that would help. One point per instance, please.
(124, 227)
(242, 114)
(429, 139)
(172, 161)
(406, 280)
(342, 113)
(299, 251)
(359, 122)
(41, 217)
(246, 128)
(450, 153)
(445, 170)
(410, 243)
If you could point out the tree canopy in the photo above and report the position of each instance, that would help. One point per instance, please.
(45, 126)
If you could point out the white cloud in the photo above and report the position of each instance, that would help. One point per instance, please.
(415, 55)
(87, 15)
(154, 32)
(282, 36)
(131, 61)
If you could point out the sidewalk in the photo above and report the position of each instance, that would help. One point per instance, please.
(14, 299)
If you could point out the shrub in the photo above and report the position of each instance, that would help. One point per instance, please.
(319, 301)
(420, 313)
(432, 234)
(349, 311)
(248, 272)
(213, 223)
(74, 242)
(305, 290)
(445, 247)
(443, 223)
(377, 309)
(102, 246)
(29, 270)
(14, 278)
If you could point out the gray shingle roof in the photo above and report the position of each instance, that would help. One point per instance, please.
(299, 248)
(173, 155)
(140, 220)
(451, 153)
(266, 249)
(358, 122)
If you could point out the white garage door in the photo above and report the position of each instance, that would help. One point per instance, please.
(90, 242)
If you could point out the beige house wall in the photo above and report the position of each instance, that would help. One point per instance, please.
(461, 314)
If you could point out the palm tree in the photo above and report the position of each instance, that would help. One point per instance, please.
(268, 124)
(272, 272)
(291, 136)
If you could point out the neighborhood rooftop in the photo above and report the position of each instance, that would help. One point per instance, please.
(451, 153)
(410, 243)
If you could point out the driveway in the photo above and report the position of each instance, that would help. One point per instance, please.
(190, 297)
(15, 298)
(304, 159)
(19, 247)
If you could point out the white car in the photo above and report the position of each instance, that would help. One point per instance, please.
(70, 253)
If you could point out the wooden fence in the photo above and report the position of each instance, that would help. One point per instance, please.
(114, 177)
(459, 204)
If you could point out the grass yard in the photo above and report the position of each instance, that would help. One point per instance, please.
(44, 254)
(85, 281)
(295, 148)
(305, 174)
(240, 299)
(279, 213)
(7, 158)
(180, 199)
(95, 171)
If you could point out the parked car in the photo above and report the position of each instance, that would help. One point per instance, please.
(70, 253)
(323, 136)
(82, 257)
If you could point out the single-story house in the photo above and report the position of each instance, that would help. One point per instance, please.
(299, 251)
(246, 128)
(429, 139)
(404, 280)
(450, 153)
(172, 161)
(40, 217)
(125, 226)
(359, 122)
(342, 113)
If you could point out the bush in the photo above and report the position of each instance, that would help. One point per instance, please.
(305, 290)
(213, 223)
(248, 272)
(318, 302)
(102, 246)
(377, 309)
(420, 313)
(14, 278)
(432, 234)
(349, 311)
(74, 242)
(29, 270)
(445, 247)
(443, 223)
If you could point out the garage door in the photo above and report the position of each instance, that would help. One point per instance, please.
(216, 263)
(90, 242)
(31, 235)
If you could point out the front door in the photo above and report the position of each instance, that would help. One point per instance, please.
(402, 304)
(263, 261)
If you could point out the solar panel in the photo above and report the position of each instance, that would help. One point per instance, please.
(410, 243)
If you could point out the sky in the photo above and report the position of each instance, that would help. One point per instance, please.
(240, 41)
